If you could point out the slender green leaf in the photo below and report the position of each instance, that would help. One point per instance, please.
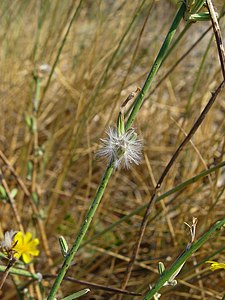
(76, 295)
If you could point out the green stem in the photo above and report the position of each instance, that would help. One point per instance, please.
(197, 6)
(82, 232)
(20, 272)
(37, 94)
(156, 65)
(182, 259)
(168, 52)
(177, 41)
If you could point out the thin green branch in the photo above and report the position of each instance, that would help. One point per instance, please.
(156, 65)
(182, 259)
(82, 232)
(21, 272)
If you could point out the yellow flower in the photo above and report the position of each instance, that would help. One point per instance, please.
(25, 246)
(215, 265)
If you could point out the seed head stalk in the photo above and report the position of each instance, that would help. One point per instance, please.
(110, 168)
(82, 232)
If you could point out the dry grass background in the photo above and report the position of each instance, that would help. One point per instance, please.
(77, 108)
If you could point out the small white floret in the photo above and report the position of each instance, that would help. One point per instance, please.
(7, 243)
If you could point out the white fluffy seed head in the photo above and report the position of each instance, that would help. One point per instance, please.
(123, 150)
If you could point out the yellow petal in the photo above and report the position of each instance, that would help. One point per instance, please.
(18, 238)
(26, 258)
(34, 243)
(215, 265)
(34, 252)
(27, 237)
(17, 255)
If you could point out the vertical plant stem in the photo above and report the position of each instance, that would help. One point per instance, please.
(182, 259)
(136, 108)
(156, 65)
(36, 104)
(81, 232)
(168, 52)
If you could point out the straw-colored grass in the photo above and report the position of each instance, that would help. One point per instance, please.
(81, 101)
